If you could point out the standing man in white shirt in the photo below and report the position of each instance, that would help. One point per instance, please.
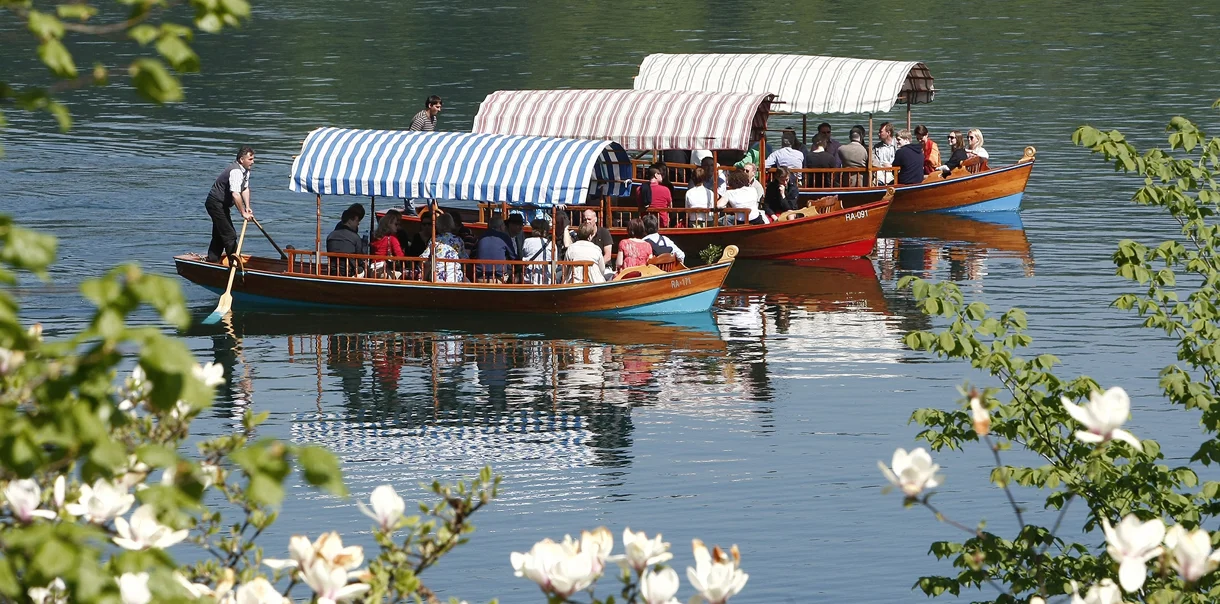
(883, 153)
(232, 188)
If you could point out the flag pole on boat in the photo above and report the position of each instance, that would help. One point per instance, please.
(226, 299)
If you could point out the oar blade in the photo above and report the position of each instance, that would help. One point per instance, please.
(222, 308)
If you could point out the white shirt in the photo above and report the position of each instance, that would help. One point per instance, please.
(660, 239)
(883, 157)
(236, 178)
(979, 151)
(536, 245)
(697, 155)
(586, 251)
(698, 196)
(786, 157)
(744, 199)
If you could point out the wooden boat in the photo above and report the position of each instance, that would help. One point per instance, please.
(647, 119)
(867, 86)
(360, 162)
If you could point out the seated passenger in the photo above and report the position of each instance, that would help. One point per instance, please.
(783, 192)
(345, 239)
(931, 151)
(601, 236)
(494, 245)
(385, 238)
(751, 170)
(538, 248)
(831, 145)
(741, 196)
(908, 159)
(584, 250)
(655, 195)
(463, 232)
(514, 226)
(633, 250)
(449, 249)
(821, 157)
(660, 243)
(854, 155)
(958, 154)
(698, 196)
(786, 156)
(710, 173)
(974, 144)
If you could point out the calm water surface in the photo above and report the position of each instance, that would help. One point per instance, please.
(759, 423)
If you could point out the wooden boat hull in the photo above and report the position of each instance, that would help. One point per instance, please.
(847, 233)
(999, 231)
(996, 190)
(265, 282)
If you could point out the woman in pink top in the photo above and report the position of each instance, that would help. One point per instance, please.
(634, 251)
(658, 195)
(385, 238)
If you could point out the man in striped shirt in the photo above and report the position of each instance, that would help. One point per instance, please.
(425, 120)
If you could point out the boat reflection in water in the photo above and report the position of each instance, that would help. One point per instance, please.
(457, 392)
(924, 244)
(833, 312)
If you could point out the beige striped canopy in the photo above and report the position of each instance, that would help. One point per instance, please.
(635, 119)
(805, 84)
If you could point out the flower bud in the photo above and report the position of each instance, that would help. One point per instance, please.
(979, 416)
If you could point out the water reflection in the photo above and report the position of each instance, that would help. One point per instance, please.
(461, 393)
(925, 244)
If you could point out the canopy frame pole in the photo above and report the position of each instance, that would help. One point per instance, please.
(908, 112)
(372, 216)
(554, 245)
(869, 177)
(804, 128)
(762, 160)
(317, 241)
(432, 243)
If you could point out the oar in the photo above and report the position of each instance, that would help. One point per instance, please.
(226, 299)
(283, 256)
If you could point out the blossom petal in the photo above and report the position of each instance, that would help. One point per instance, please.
(1127, 437)
(1131, 574)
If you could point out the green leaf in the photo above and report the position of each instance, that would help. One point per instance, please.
(80, 11)
(143, 33)
(178, 53)
(154, 82)
(320, 468)
(56, 57)
(45, 26)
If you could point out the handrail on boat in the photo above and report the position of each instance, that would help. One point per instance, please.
(812, 179)
(369, 267)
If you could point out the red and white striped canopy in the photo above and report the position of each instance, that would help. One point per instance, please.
(635, 119)
(806, 84)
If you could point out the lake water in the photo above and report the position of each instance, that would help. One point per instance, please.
(758, 424)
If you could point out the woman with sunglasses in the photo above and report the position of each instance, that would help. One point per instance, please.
(974, 144)
(958, 153)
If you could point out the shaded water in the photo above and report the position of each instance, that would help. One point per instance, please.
(758, 424)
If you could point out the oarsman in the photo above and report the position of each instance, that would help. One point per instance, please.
(425, 120)
(232, 188)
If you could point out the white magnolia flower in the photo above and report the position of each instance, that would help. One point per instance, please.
(558, 568)
(1037, 600)
(24, 496)
(328, 547)
(979, 417)
(181, 410)
(659, 587)
(199, 590)
(1192, 552)
(715, 576)
(596, 543)
(1133, 543)
(912, 472)
(10, 360)
(330, 583)
(212, 374)
(259, 591)
(134, 474)
(133, 588)
(388, 507)
(59, 491)
(144, 531)
(1102, 416)
(101, 502)
(642, 552)
(56, 592)
(1105, 592)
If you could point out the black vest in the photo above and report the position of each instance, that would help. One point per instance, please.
(220, 189)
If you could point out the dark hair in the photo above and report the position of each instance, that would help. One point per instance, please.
(856, 136)
(541, 227)
(958, 141)
(635, 228)
(585, 231)
(886, 126)
(788, 138)
(561, 223)
(700, 177)
(821, 140)
(737, 179)
(444, 223)
(457, 220)
(432, 100)
(244, 151)
(515, 219)
(921, 130)
(823, 124)
(651, 223)
(861, 130)
(388, 224)
(655, 171)
(782, 175)
(353, 211)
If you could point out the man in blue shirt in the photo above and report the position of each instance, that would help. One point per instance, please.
(909, 159)
(495, 244)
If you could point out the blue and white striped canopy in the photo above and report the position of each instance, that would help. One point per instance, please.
(491, 168)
